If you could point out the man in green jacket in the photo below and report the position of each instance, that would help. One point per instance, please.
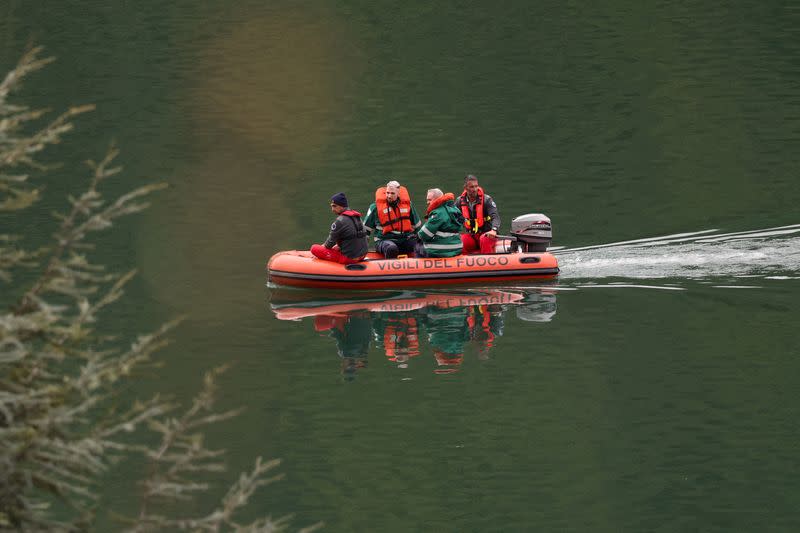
(440, 236)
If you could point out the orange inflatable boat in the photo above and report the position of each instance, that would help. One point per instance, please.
(301, 269)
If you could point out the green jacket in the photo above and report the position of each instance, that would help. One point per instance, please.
(373, 225)
(441, 234)
(447, 328)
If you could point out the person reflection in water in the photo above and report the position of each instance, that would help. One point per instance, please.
(398, 335)
(447, 333)
(485, 323)
(451, 323)
(353, 334)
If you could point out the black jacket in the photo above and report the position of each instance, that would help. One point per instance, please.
(348, 232)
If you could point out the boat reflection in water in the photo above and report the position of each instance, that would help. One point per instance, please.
(405, 324)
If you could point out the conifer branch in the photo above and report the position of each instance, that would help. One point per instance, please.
(63, 422)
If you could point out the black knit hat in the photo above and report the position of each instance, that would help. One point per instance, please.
(339, 199)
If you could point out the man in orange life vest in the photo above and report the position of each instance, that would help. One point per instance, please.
(481, 218)
(347, 241)
(393, 220)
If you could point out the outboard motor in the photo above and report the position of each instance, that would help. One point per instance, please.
(532, 232)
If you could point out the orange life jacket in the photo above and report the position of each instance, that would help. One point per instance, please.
(394, 218)
(473, 224)
(401, 339)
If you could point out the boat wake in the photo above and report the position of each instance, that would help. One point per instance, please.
(771, 253)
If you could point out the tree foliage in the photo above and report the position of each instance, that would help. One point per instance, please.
(60, 375)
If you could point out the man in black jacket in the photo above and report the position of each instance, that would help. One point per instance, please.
(347, 241)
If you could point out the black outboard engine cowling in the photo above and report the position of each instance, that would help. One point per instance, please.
(533, 233)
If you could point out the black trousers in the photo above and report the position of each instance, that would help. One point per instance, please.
(391, 249)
